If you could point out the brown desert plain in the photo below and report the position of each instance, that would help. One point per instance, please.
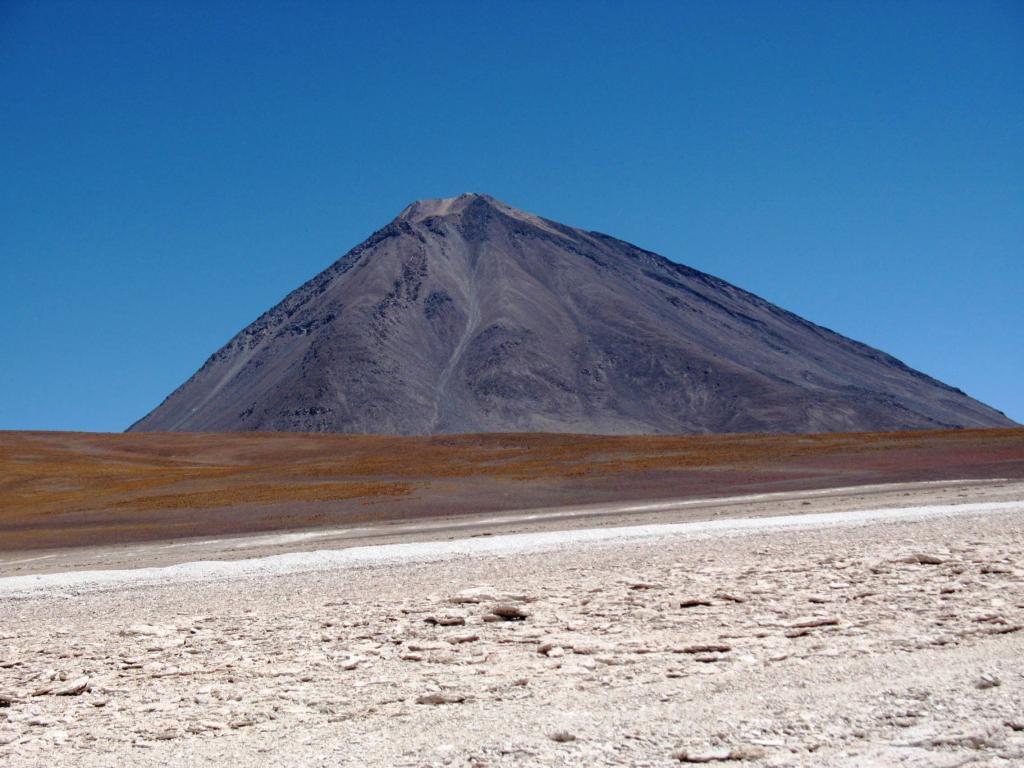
(83, 489)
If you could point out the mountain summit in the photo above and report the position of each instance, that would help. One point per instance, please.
(468, 315)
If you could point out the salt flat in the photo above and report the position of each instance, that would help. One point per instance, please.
(888, 636)
(137, 556)
(297, 562)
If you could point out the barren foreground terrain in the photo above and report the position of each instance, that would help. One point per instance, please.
(896, 640)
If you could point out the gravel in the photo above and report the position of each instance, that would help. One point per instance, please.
(815, 644)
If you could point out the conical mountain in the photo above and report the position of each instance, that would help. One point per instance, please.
(467, 315)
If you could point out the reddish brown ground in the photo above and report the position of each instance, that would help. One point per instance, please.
(67, 489)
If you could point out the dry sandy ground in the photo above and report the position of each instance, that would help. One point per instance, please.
(464, 526)
(885, 643)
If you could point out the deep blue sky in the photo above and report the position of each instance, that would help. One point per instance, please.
(170, 170)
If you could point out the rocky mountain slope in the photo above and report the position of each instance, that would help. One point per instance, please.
(467, 315)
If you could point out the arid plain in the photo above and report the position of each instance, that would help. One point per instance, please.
(837, 600)
(61, 490)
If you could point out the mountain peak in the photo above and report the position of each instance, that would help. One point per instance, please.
(446, 206)
(452, 207)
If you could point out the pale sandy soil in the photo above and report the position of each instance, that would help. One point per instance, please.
(879, 643)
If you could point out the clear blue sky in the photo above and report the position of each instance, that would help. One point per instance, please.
(171, 169)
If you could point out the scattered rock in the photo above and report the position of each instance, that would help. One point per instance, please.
(864, 682)
(642, 585)
(729, 597)
(693, 602)
(991, 568)
(968, 740)
(987, 680)
(722, 754)
(147, 630)
(921, 558)
(562, 737)
(814, 621)
(1004, 629)
(554, 648)
(704, 648)
(416, 647)
(442, 698)
(212, 725)
(475, 595)
(509, 612)
(72, 687)
(709, 658)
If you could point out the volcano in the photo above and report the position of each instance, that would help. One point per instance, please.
(468, 315)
